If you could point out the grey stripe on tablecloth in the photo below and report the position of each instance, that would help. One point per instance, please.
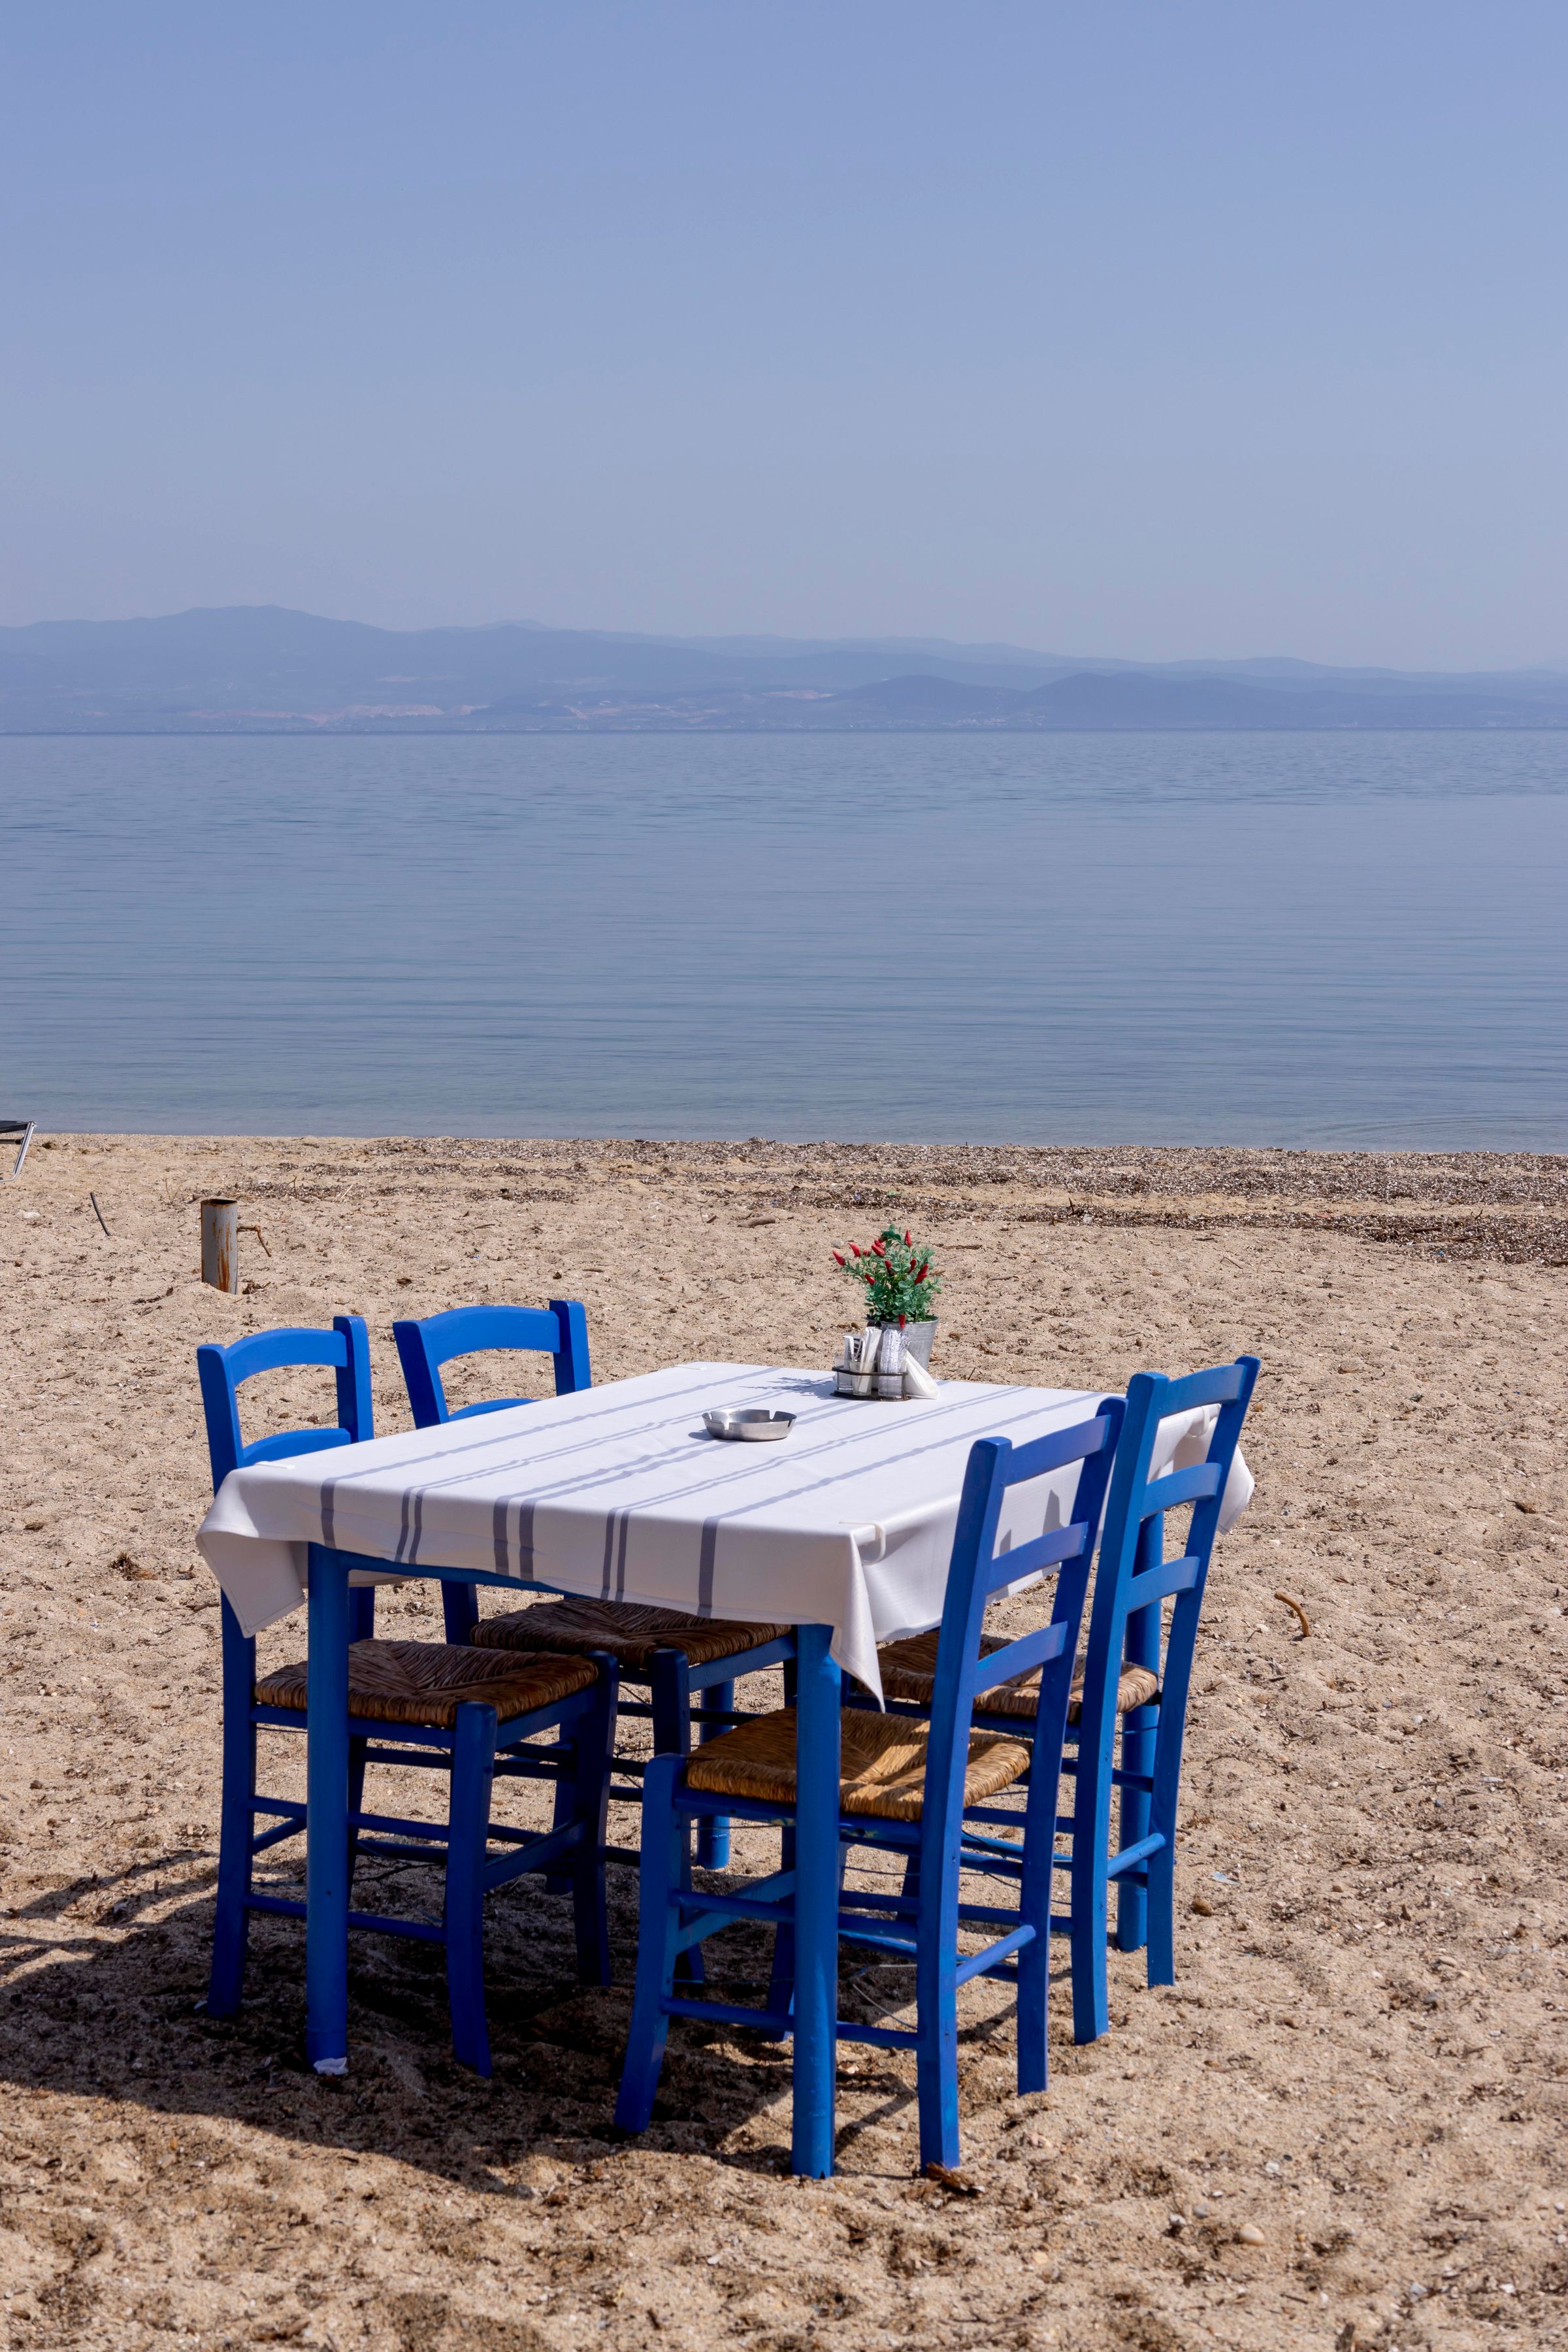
(576, 1442)
(716, 1468)
(733, 1471)
(708, 1548)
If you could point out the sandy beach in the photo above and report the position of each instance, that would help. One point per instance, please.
(1342, 2128)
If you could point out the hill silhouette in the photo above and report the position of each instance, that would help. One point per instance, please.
(263, 668)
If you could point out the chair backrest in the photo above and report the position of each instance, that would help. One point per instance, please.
(344, 1350)
(1135, 1578)
(559, 1329)
(978, 1572)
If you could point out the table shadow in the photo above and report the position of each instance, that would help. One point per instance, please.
(102, 1980)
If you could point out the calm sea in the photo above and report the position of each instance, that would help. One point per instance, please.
(1336, 939)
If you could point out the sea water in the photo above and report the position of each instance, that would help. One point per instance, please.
(1338, 939)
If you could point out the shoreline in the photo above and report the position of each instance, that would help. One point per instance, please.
(1506, 1207)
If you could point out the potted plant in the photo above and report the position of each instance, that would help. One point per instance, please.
(899, 1286)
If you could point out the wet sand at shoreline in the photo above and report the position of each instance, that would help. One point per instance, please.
(1358, 2085)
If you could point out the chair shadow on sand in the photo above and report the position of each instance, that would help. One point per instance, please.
(86, 2016)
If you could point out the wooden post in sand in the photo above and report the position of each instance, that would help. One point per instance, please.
(220, 1245)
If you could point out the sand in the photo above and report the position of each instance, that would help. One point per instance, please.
(1343, 2126)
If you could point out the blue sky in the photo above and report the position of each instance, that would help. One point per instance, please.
(1136, 329)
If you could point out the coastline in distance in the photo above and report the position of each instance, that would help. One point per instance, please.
(262, 669)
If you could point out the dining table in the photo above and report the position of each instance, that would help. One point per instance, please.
(842, 1530)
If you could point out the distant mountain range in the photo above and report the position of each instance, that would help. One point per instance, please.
(260, 669)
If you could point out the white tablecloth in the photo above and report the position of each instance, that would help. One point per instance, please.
(619, 1492)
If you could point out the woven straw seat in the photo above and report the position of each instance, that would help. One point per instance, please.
(908, 1672)
(427, 1682)
(882, 1763)
(630, 1632)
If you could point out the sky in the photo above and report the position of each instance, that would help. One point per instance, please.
(1139, 329)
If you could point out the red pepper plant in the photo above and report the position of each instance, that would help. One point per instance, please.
(899, 1282)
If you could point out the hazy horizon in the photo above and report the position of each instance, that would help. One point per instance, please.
(1141, 334)
(1274, 656)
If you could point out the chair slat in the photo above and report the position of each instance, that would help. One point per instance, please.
(1059, 1447)
(1225, 1385)
(287, 1443)
(559, 1330)
(1040, 1552)
(1179, 1487)
(1160, 1583)
(1020, 1657)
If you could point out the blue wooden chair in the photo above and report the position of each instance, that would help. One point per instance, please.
(918, 1792)
(559, 1330)
(1128, 1634)
(1133, 1679)
(675, 1655)
(433, 1706)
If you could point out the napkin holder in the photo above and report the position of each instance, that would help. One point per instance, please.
(875, 1363)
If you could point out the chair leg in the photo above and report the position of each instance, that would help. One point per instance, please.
(780, 1975)
(1161, 1901)
(1139, 1730)
(1132, 1904)
(226, 1982)
(595, 1745)
(670, 1697)
(467, 1832)
(1090, 1930)
(460, 1611)
(713, 1829)
(936, 2024)
(356, 1798)
(664, 1842)
(1034, 1963)
(559, 1879)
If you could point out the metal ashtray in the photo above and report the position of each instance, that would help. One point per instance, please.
(754, 1420)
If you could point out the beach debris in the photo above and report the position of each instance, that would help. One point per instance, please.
(1203, 1907)
(22, 1128)
(220, 1256)
(1301, 1613)
(98, 1213)
(957, 2184)
(122, 1564)
(221, 1229)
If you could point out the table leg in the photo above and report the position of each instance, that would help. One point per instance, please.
(326, 1804)
(817, 1700)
